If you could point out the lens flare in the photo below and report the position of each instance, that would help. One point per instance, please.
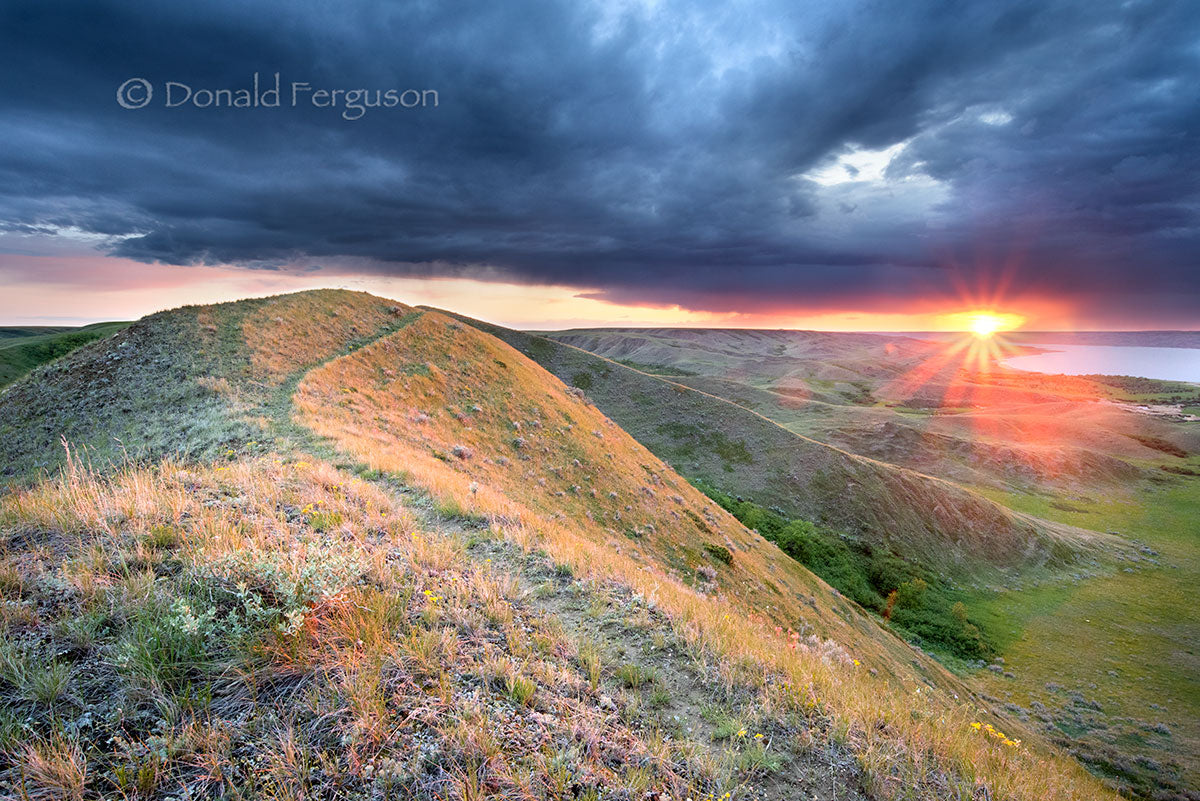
(982, 323)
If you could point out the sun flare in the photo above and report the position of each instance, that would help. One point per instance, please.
(982, 323)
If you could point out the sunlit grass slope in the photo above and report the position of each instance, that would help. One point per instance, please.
(493, 435)
(263, 629)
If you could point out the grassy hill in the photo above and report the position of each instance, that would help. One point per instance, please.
(718, 442)
(22, 331)
(1108, 453)
(22, 349)
(389, 555)
(184, 382)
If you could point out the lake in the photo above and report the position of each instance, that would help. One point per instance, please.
(1166, 364)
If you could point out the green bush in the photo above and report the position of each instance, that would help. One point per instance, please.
(911, 594)
(719, 552)
(924, 608)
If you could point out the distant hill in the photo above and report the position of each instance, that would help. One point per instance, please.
(19, 331)
(1145, 339)
(728, 446)
(22, 349)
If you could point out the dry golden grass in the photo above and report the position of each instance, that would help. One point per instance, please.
(289, 332)
(533, 453)
(52, 769)
(273, 627)
(553, 473)
(394, 665)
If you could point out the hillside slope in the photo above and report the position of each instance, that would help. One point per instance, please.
(733, 448)
(21, 350)
(873, 394)
(491, 433)
(435, 572)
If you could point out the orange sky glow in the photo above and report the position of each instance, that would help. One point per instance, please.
(79, 289)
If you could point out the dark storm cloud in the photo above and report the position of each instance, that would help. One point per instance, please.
(660, 153)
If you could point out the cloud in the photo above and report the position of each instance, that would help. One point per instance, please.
(670, 153)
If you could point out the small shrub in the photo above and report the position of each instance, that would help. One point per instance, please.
(719, 552)
(911, 594)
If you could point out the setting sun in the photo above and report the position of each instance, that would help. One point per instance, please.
(983, 323)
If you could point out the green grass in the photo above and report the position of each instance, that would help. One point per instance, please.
(1134, 641)
(690, 438)
(1134, 389)
(634, 676)
(20, 354)
(655, 369)
(9, 332)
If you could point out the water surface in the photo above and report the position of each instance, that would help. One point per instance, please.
(1165, 364)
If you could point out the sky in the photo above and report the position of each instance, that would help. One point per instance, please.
(836, 165)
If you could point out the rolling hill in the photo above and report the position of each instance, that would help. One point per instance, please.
(22, 349)
(328, 545)
(1108, 453)
(716, 441)
(359, 548)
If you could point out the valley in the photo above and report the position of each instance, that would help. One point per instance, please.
(1078, 451)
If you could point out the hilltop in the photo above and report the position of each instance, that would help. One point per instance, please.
(333, 546)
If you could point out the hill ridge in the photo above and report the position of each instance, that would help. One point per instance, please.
(936, 545)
